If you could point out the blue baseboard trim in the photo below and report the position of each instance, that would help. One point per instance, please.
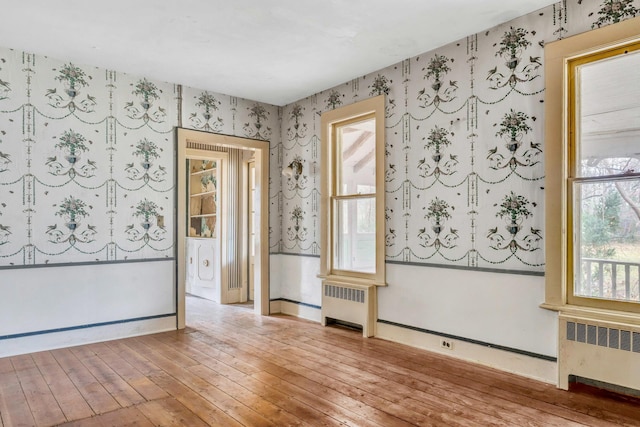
(92, 325)
(472, 341)
(85, 263)
(462, 267)
(436, 265)
(293, 254)
(297, 302)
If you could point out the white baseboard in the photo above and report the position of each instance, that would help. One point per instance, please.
(520, 364)
(274, 307)
(294, 309)
(81, 336)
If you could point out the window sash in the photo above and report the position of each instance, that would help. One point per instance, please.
(589, 280)
(351, 246)
(601, 269)
(337, 174)
(369, 186)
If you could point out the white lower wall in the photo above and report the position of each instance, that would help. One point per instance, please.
(299, 279)
(298, 310)
(527, 366)
(50, 341)
(275, 288)
(495, 308)
(34, 300)
(498, 309)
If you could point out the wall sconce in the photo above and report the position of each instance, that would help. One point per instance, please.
(294, 169)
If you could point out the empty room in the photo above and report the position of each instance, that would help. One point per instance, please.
(363, 213)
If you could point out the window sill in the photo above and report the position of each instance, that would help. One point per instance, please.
(588, 313)
(350, 280)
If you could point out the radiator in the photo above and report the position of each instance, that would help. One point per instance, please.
(599, 350)
(350, 303)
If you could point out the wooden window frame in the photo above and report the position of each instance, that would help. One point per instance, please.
(559, 172)
(330, 120)
(573, 178)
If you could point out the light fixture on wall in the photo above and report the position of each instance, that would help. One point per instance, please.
(294, 168)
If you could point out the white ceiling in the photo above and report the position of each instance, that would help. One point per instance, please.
(274, 51)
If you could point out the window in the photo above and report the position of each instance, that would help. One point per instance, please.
(352, 207)
(592, 157)
(604, 176)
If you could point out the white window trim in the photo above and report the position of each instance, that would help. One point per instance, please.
(557, 55)
(373, 105)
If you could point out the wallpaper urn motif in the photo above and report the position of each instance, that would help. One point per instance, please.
(147, 93)
(146, 211)
(147, 151)
(514, 209)
(438, 212)
(257, 129)
(73, 144)
(207, 104)
(72, 210)
(512, 48)
(437, 68)
(73, 79)
(333, 101)
(437, 139)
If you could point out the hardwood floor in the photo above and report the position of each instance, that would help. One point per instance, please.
(230, 368)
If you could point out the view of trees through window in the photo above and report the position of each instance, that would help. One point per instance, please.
(606, 185)
(610, 217)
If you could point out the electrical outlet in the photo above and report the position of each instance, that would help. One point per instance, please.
(445, 343)
(160, 221)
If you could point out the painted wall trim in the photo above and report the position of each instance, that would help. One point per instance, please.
(472, 341)
(297, 302)
(88, 326)
(467, 350)
(451, 267)
(76, 264)
(441, 334)
(464, 267)
(298, 255)
(297, 309)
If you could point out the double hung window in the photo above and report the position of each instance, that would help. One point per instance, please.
(603, 185)
(352, 205)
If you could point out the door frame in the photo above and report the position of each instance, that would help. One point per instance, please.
(250, 225)
(222, 159)
(188, 139)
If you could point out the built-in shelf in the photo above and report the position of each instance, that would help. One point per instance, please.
(206, 193)
(203, 171)
(203, 198)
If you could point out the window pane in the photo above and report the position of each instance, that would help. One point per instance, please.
(608, 115)
(607, 241)
(356, 158)
(355, 235)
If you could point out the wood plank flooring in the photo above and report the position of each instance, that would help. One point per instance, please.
(231, 368)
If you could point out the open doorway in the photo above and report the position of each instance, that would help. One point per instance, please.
(200, 148)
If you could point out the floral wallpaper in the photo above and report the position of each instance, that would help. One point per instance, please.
(212, 112)
(87, 166)
(464, 145)
(87, 159)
